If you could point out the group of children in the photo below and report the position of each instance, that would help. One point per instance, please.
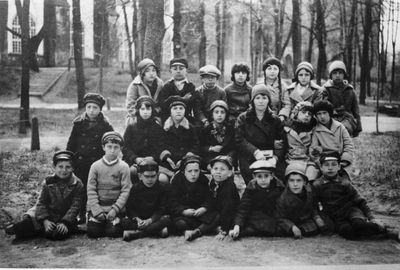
(289, 143)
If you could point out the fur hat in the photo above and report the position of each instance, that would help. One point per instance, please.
(304, 65)
(144, 64)
(112, 136)
(178, 62)
(259, 89)
(323, 105)
(210, 70)
(175, 100)
(298, 168)
(62, 155)
(94, 98)
(337, 65)
(333, 155)
(227, 160)
(272, 61)
(143, 99)
(263, 165)
(303, 105)
(241, 67)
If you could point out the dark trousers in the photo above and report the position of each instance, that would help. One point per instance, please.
(82, 172)
(25, 229)
(96, 229)
(356, 228)
(152, 230)
(183, 223)
(260, 224)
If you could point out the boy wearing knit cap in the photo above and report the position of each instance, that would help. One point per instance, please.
(255, 214)
(349, 211)
(297, 207)
(191, 201)
(108, 189)
(146, 83)
(178, 85)
(226, 196)
(299, 134)
(238, 93)
(207, 93)
(147, 204)
(303, 88)
(85, 140)
(343, 98)
(59, 203)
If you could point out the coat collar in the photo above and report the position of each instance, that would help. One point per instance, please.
(329, 84)
(321, 128)
(169, 124)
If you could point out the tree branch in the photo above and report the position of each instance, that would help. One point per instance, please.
(15, 33)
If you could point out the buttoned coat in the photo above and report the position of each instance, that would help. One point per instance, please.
(280, 101)
(203, 98)
(313, 93)
(238, 98)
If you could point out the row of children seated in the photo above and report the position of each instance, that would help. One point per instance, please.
(194, 205)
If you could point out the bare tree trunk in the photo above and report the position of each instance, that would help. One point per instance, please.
(77, 38)
(218, 32)
(155, 30)
(296, 33)
(203, 39)
(3, 33)
(176, 39)
(142, 7)
(395, 26)
(365, 65)
(135, 38)
(223, 38)
(321, 39)
(50, 39)
(308, 55)
(349, 41)
(129, 40)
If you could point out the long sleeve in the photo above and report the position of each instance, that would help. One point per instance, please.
(198, 107)
(241, 142)
(286, 105)
(360, 202)
(128, 153)
(348, 146)
(244, 208)
(229, 206)
(73, 211)
(356, 113)
(126, 186)
(72, 140)
(93, 204)
(281, 214)
(131, 97)
(42, 211)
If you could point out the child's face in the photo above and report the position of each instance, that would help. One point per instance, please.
(261, 102)
(111, 150)
(209, 80)
(263, 178)
(63, 169)
(219, 115)
(150, 74)
(337, 76)
(178, 72)
(304, 116)
(145, 112)
(240, 77)
(192, 172)
(149, 178)
(304, 77)
(295, 183)
(220, 171)
(272, 72)
(330, 168)
(177, 113)
(92, 110)
(323, 117)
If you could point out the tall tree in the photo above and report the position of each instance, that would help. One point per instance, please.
(349, 40)
(320, 33)
(296, 32)
(365, 60)
(135, 32)
(309, 51)
(101, 41)
(394, 27)
(176, 39)
(49, 12)
(142, 7)
(218, 31)
(203, 39)
(224, 22)
(155, 30)
(128, 38)
(279, 20)
(77, 39)
(3, 33)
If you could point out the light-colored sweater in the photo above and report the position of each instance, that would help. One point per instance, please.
(108, 186)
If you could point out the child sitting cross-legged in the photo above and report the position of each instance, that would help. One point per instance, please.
(191, 200)
(349, 211)
(297, 207)
(147, 204)
(108, 189)
(54, 215)
(226, 196)
(255, 215)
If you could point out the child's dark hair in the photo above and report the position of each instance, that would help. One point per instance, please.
(240, 68)
(147, 105)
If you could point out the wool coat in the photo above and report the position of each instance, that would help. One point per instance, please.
(313, 93)
(142, 138)
(138, 88)
(339, 198)
(169, 89)
(257, 206)
(60, 200)
(280, 101)
(252, 134)
(185, 195)
(147, 202)
(298, 145)
(203, 98)
(238, 98)
(291, 210)
(345, 103)
(226, 199)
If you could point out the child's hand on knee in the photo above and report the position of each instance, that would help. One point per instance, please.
(296, 232)
(235, 232)
(111, 215)
(199, 211)
(221, 235)
(188, 212)
(62, 228)
(48, 225)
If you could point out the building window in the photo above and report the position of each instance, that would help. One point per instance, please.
(16, 41)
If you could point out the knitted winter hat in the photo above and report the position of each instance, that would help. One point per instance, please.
(210, 70)
(94, 98)
(323, 105)
(304, 65)
(142, 100)
(218, 103)
(298, 168)
(337, 65)
(260, 89)
(241, 67)
(178, 62)
(144, 64)
(303, 105)
(272, 61)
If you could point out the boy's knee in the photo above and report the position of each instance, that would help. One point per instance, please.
(180, 225)
(113, 230)
(346, 230)
(95, 230)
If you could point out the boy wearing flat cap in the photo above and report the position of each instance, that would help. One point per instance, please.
(191, 202)
(108, 189)
(349, 211)
(207, 93)
(54, 215)
(147, 204)
(225, 193)
(85, 140)
(178, 85)
(255, 215)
